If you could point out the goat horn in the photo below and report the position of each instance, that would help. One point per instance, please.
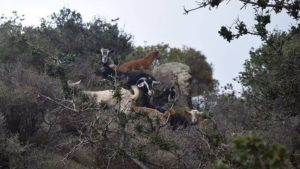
(141, 79)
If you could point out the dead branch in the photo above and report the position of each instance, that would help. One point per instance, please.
(75, 148)
(57, 102)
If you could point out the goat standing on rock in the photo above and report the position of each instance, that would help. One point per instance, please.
(140, 64)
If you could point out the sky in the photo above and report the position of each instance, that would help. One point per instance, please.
(162, 21)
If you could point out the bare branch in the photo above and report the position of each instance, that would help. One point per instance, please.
(200, 5)
(139, 163)
(75, 148)
(49, 98)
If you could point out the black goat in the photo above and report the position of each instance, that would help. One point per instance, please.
(177, 120)
(161, 101)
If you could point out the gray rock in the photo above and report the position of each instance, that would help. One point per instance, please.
(177, 75)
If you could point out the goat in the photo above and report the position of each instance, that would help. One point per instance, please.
(141, 63)
(188, 117)
(126, 100)
(105, 53)
(196, 115)
(160, 102)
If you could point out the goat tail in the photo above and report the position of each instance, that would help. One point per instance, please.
(136, 92)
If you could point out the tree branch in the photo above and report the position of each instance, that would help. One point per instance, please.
(49, 98)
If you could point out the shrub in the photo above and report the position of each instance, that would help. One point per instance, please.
(252, 152)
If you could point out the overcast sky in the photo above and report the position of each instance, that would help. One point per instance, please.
(162, 21)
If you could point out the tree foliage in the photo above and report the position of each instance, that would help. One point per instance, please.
(264, 10)
(271, 75)
(61, 40)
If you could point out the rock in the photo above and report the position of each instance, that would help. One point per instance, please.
(177, 75)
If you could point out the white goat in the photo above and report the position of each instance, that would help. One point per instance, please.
(106, 96)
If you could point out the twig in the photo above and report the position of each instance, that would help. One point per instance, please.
(136, 161)
(49, 98)
(169, 115)
(73, 150)
(200, 5)
(109, 160)
(90, 108)
(139, 163)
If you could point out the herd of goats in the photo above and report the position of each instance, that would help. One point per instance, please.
(137, 90)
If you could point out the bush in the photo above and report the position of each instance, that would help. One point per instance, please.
(11, 150)
(20, 103)
(251, 152)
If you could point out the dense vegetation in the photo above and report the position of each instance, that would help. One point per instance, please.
(42, 124)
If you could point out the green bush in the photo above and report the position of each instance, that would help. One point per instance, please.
(251, 152)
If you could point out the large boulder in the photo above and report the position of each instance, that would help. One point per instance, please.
(177, 75)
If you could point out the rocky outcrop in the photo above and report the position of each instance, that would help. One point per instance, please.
(177, 75)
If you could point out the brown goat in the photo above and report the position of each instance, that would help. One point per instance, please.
(141, 63)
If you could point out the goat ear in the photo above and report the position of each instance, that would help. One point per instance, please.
(98, 51)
